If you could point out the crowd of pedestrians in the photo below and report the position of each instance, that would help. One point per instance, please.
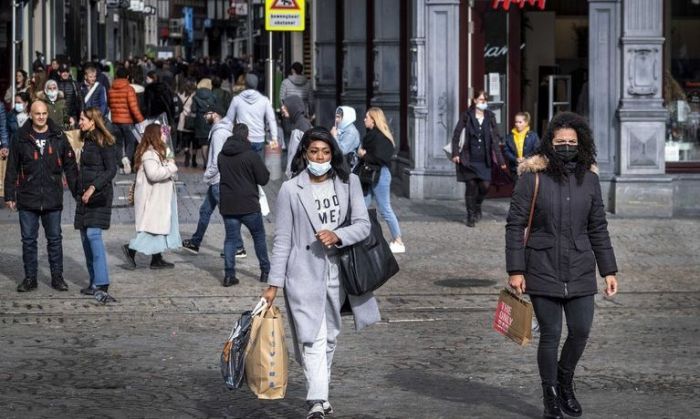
(213, 115)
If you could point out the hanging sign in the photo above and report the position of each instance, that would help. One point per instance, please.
(285, 15)
(521, 3)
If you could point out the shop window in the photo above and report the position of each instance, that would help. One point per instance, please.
(682, 86)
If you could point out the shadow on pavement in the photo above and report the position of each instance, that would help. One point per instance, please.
(463, 391)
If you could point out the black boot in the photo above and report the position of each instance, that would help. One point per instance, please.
(187, 159)
(551, 403)
(567, 398)
(157, 262)
(130, 255)
(471, 211)
(58, 283)
(194, 159)
(27, 285)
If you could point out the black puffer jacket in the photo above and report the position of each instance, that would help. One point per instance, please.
(569, 233)
(98, 166)
(34, 180)
(242, 170)
(72, 95)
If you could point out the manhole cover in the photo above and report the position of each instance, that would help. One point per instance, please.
(465, 282)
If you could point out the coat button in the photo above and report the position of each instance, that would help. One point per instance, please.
(308, 247)
(567, 198)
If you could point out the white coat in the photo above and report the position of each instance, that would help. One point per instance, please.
(153, 194)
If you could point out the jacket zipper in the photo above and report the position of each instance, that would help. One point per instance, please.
(566, 290)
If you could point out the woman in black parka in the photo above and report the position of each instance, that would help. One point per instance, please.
(93, 212)
(568, 237)
(474, 158)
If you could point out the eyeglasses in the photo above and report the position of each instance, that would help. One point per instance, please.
(562, 141)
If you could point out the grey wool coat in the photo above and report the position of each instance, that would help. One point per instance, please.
(300, 263)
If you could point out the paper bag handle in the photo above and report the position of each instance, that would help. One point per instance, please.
(260, 307)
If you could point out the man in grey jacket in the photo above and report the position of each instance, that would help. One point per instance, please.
(250, 107)
(297, 84)
(219, 133)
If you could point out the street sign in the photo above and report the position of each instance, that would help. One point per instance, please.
(285, 15)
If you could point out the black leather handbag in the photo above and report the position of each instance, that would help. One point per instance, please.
(368, 173)
(368, 264)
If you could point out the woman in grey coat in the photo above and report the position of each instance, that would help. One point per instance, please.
(310, 209)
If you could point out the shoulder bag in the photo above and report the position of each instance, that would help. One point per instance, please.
(368, 264)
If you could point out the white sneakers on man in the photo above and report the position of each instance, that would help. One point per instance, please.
(397, 247)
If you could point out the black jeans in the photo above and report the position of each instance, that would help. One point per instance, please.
(579, 317)
(126, 142)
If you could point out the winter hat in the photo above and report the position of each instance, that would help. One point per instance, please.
(251, 81)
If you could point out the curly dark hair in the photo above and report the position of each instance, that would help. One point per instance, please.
(556, 168)
(338, 165)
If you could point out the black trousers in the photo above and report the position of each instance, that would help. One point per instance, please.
(579, 317)
(475, 193)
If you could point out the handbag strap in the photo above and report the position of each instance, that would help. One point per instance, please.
(532, 207)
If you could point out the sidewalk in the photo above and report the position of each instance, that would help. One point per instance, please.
(434, 355)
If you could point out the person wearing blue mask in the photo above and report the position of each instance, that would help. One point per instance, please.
(346, 133)
(310, 209)
(473, 159)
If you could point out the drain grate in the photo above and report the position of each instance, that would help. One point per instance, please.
(465, 282)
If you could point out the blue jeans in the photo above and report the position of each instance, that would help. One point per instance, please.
(95, 255)
(382, 193)
(259, 148)
(254, 223)
(29, 227)
(211, 200)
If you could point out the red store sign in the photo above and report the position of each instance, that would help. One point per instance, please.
(521, 3)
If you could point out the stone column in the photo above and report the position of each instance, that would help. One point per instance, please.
(386, 61)
(324, 61)
(354, 83)
(641, 187)
(604, 85)
(434, 99)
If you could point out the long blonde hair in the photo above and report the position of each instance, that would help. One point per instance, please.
(377, 115)
(102, 136)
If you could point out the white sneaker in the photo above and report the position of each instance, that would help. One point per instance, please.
(397, 247)
(126, 164)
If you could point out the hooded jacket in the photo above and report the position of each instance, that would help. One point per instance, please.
(298, 85)
(33, 179)
(242, 170)
(57, 109)
(253, 109)
(218, 135)
(298, 124)
(98, 166)
(348, 137)
(123, 103)
(568, 236)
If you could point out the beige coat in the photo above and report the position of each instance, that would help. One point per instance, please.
(153, 194)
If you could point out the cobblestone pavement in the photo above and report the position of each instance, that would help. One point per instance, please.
(155, 353)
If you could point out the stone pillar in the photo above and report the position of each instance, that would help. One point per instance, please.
(386, 80)
(324, 61)
(641, 187)
(354, 82)
(434, 99)
(604, 83)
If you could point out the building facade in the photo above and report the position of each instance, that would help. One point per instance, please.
(630, 66)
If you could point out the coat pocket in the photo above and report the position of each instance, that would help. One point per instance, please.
(541, 241)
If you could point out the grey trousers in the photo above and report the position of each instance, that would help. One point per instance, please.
(317, 357)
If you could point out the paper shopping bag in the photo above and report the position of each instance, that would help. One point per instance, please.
(3, 168)
(76, 142)
(513, 318)
(266, 358)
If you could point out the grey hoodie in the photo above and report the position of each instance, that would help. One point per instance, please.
(218, 135)
(252, 108)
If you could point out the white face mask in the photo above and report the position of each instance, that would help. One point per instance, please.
(19, 107)
(319, 169)
(52, 94)
(482, 106)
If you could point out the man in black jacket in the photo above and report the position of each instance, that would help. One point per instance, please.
(38, 158)
(71, 93)
(242, 170)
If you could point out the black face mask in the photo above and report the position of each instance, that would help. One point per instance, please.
(566, 152)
